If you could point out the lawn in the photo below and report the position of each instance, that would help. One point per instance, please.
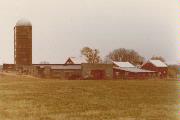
(24, 98)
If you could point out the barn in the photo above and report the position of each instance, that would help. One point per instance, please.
(156, 65)
(72, 69)
(60, 71)
(125, 70)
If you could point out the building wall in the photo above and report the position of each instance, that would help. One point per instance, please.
(121, 74)
(162, 71)
(66, 74)
(8, 67)
(27, 70)
(94, 71)
(23, 45)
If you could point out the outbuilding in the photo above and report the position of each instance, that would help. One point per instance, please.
(156, 65)
(125, 70)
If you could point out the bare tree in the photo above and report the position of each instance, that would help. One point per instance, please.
(158, 58)
(92, 55)
(124, 55)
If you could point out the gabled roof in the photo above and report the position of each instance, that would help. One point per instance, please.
(74, 60)
(158, 63)
(124, 64)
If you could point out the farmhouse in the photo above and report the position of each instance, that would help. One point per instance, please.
(125, 70)
(156, 65)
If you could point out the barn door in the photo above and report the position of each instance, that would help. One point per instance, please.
(98, 74)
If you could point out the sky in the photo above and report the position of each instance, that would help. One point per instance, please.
(62, 27)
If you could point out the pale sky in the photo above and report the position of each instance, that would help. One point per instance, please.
(62, 27)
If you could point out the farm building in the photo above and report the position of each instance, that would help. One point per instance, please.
(78, 69)
(97, 71)
(125, 70)
(92, 71)
(69, 70)
(72, 69)
(23, 43)
(158, 66)
(60, 71)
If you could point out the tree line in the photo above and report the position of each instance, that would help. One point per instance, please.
(120, 54)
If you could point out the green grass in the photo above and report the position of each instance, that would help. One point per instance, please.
(35, 99)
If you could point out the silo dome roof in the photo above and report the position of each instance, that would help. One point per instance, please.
(23, 22)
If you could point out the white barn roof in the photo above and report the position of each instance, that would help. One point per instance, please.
(124, 64)
(78, 60)
(157, 63)
(134, 70)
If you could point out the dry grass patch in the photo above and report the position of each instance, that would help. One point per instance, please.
(36, 99)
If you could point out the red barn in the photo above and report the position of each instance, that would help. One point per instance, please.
(158, 66)
(125, 70)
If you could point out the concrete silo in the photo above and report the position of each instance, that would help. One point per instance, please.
(23, 43)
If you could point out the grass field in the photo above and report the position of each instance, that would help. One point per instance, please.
(35, 99)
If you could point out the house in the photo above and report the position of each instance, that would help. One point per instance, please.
(156, 65)
(125, 70)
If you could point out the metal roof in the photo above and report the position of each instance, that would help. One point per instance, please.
(157, 63)
(67, 67)
(124, 64)
(61, 66)
(78, 60)
(135, 70)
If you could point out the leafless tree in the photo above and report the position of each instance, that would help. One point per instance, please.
(124, 55)
(92, 55)
(158, 58)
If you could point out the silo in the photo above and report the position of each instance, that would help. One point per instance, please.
(23, 43)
